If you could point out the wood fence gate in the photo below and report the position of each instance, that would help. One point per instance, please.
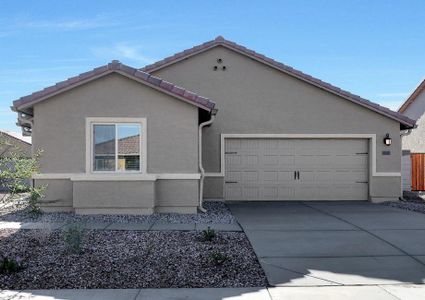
(418, 171)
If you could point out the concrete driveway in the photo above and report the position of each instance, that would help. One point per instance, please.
(334, 243)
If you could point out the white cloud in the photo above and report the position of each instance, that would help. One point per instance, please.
(27, 23)
(122, 51)
(67, 25)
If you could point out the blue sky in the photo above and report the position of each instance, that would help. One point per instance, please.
(375, 49)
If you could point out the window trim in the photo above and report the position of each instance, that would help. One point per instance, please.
(115, 121)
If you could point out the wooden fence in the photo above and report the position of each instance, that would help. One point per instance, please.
(418, 171)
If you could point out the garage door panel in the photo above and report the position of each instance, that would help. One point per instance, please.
(312, 162)
(271, 160)
(271, 193)
(251, 192)
(285, 192)
(233, 176)
(233, 160)
(250, 160)
(233, 192)
(329, 169)
(271, 176)
(250, 177)
(286, 176)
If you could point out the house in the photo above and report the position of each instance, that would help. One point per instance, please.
(413, 142)
(214, 121)
(12, 143)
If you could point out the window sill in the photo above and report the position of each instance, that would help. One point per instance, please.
(115, 177)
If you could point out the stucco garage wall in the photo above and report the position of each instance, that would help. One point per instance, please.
(254, 98)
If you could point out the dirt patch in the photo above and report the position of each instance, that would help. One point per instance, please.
(130, 259)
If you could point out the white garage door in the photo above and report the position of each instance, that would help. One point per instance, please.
(296, 169)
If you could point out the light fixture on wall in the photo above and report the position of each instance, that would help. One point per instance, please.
(387, 140)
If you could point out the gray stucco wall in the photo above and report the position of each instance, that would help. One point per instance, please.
(59, 125)
(254, 98)
(415, 141)
(177, 195)
(58, 194)
(406, 171)
(172, 146)
(122, 197)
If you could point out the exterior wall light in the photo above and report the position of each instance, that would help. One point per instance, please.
(387, 140)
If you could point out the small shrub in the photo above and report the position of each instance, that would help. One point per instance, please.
(218, 258)
(73, 237)
(42, 235)
(208, 234)
(10, 265)
(35, 194)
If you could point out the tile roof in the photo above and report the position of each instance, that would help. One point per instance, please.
(412, 97)
(220, 41)
(127, 145)
(17, 136)
(115, 66)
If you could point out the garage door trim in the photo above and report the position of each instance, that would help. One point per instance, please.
(264, 168)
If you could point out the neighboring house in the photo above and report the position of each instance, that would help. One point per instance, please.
(413, 143)
(121, 140)
(13, 143)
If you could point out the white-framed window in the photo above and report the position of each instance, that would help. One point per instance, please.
(116, 145)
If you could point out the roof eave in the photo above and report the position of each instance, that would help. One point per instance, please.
(419, 88)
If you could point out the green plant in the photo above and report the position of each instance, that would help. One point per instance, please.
(218, 258)
(73, 237)
(16, 170)
(10, 265)
(208, 234)
(33, 202)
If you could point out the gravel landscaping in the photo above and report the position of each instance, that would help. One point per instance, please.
(217, 213)
(412, 205)
(129, 259)
(413, 201)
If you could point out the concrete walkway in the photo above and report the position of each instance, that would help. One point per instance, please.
(335, 243)
(158, 225)
(379, 292)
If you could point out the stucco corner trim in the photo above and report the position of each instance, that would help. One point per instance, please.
(371, 137)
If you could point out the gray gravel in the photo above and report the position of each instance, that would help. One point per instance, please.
(217, 212)
(130, 259)
(412, 205)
